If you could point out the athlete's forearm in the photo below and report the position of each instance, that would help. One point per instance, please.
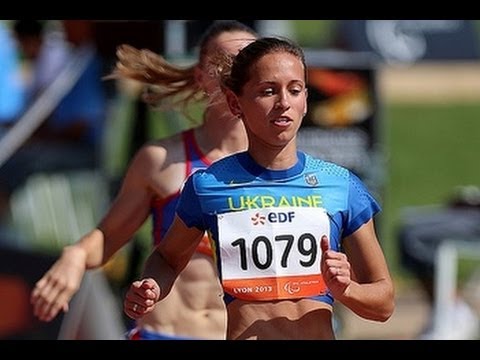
(92, 247)
(157, 268)
(374, 301)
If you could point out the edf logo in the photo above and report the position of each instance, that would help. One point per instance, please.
(281, 217)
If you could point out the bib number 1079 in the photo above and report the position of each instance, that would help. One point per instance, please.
(261, 250)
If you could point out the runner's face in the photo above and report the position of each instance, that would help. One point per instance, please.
(274, 99)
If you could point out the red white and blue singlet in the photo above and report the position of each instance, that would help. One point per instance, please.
(266, 225)
(163, 210)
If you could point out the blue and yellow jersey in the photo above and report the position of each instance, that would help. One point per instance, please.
(266, 225)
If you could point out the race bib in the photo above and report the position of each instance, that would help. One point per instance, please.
(272, 253)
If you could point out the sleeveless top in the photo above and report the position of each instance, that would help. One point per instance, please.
(163, 209)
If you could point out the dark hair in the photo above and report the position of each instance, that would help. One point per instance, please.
(235, 75)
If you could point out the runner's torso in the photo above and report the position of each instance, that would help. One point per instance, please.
(267, 224)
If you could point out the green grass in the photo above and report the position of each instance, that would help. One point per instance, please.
(313, 33)
(431, 149)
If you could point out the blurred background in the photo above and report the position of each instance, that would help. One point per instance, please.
(396, 101)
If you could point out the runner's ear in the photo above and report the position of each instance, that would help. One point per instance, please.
(233, 103)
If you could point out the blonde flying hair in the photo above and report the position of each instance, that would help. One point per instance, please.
(164, 80)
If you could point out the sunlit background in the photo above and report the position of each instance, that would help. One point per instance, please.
(396, 101)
